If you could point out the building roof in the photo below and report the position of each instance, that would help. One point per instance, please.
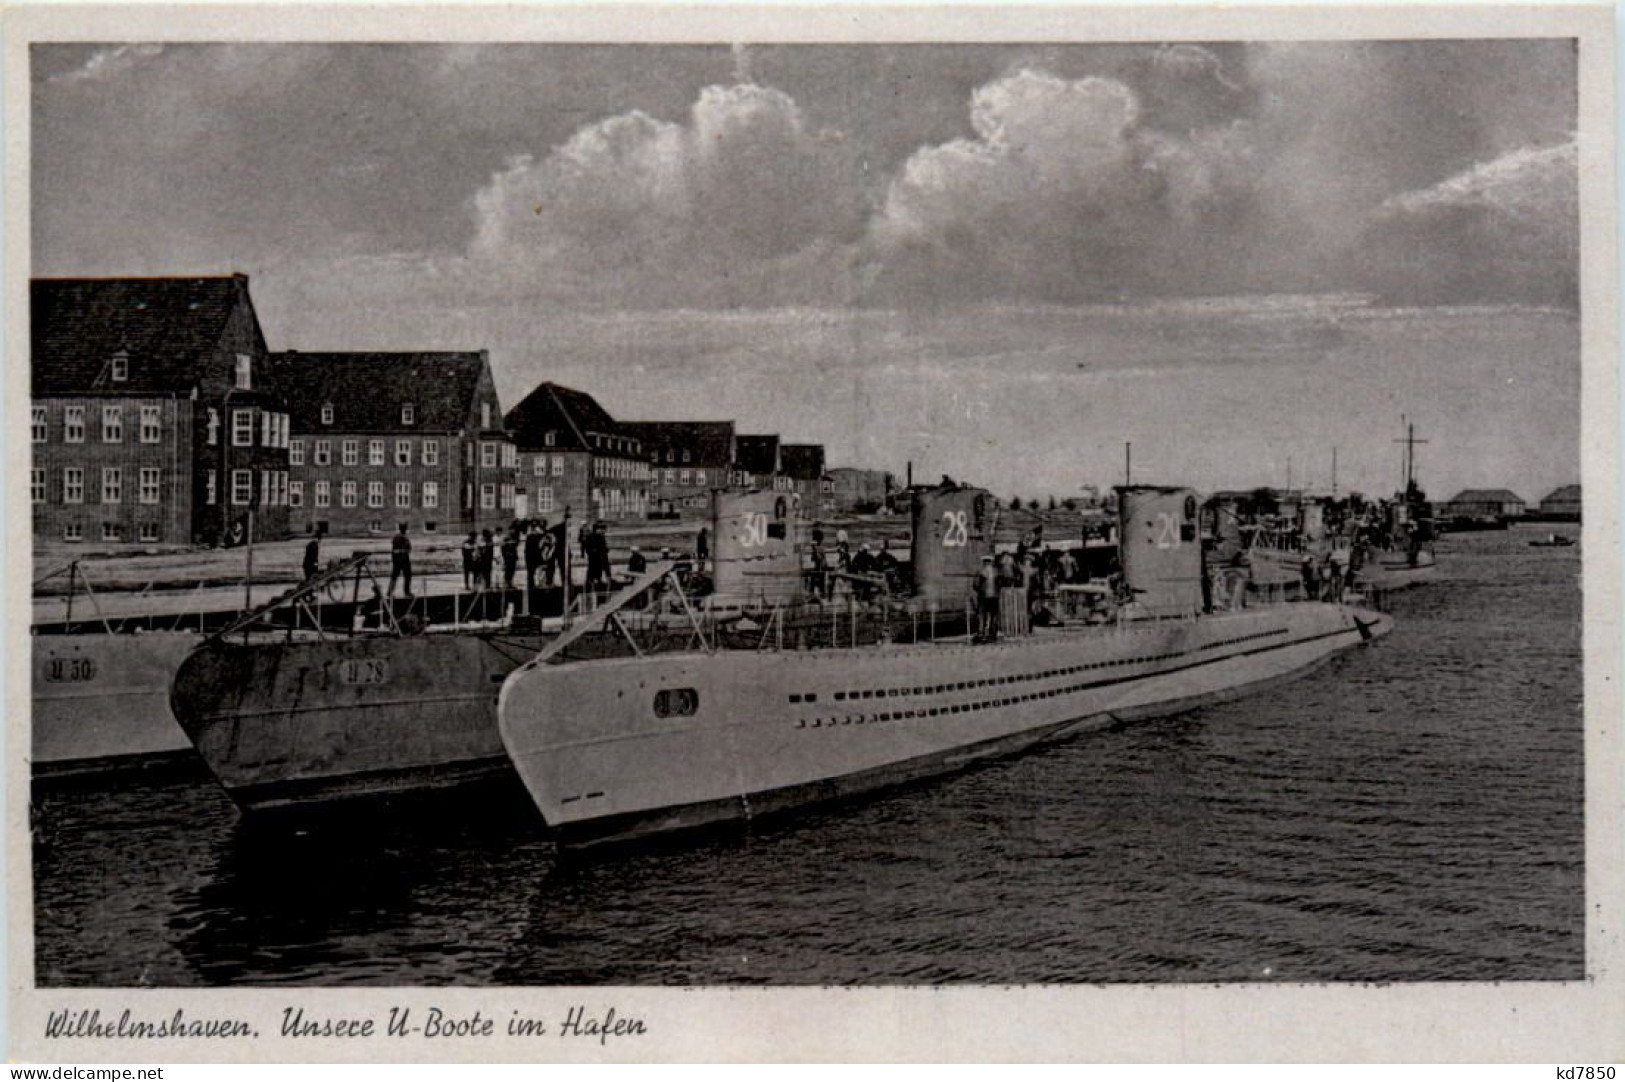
(709, 443)
(802, 461)
(165, 325)
(1563, 493)
(578, 422)
(367, 390)
(1486, 495)
(757, 454)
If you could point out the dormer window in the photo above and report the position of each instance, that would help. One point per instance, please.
(245, 372)
(121, 366)
(409, 414)
(547, 439)
(485, 415)
(327, 413)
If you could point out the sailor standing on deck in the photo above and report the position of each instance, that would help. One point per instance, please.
(400, 560)
(313, 553)
(533, 552)
(987, 593)
(470, 543)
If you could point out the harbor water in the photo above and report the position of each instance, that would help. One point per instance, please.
(1410, 811)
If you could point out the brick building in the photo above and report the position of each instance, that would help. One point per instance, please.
(1482, 503)
(860, 490)
(573, 454)
(156, 413)
(687, 459)
(802, 465)
(757, 462)
(1562, 504)
(381, 439)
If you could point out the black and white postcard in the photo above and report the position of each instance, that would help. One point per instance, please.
(768, 533)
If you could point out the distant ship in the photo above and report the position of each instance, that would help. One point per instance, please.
(617, 748)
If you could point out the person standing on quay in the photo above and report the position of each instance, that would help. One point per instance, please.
(400, 560)
(597, 548)
(533, 552)
(483, 561)
(313, 555)
(702, 548)
(510, 555)
(470, 543)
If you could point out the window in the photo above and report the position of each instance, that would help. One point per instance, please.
(268, 429)
(214, 426)
(150, 424)
(685, 454)
(112, 424)
(242, 428)
(409, 415)
(485, 415)
(683, 477)
(547, 439)
(699, 477)
(121, 366)
(375, 494)
(544, 498)
(488, 497)
(112, 484)
(245, 372)
(431, 452)
(539, 465)
(375, 526)
(73, 532)
(296, 494)
(73, 424)
(403, 494)
(242, 487)
(347, 494)
(327, 413)
(151, 478)
(403, 452)
(209, 493)
(149, 531)
(37, 425)
(510, 456)
(505, 497)
(375, 452)
(558, 465)
(488, 454)
(671, 477)
(431, 495)
(351, 452)
(671, 456)
(324, 493)
(322, 453)
(676, 702)
(111, 532)
(296, 452)
(36, 486)
(267, 488)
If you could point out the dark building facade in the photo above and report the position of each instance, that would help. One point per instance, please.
(1562, 504)
(802, 465)
(860, 490)
(385, 439)
(157, 416)
(573, 455)
(687, 460)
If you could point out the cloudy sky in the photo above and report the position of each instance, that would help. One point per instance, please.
(905, 252)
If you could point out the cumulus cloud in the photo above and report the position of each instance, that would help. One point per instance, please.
(1063, 195)
(743, 196)
(1505, 230)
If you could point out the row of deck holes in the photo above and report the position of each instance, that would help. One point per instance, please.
(884, 693)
